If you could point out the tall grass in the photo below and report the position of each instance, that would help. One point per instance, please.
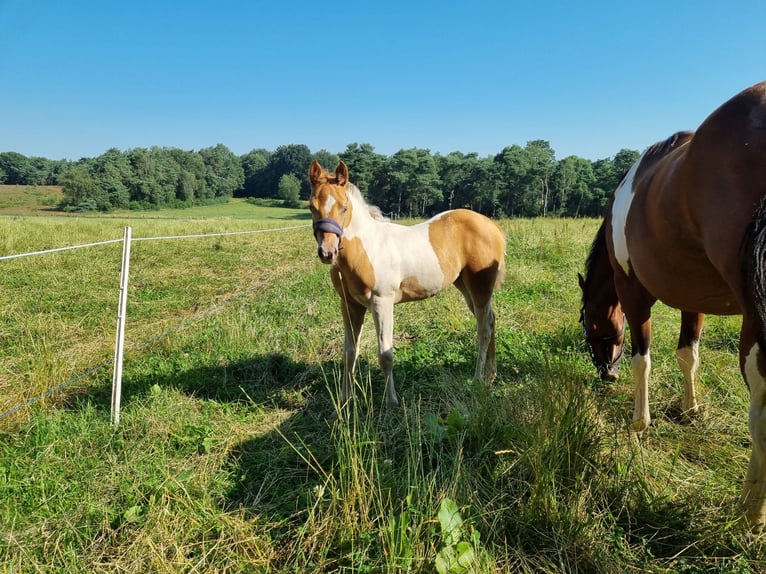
(229, 457)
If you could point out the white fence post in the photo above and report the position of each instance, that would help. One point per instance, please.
(119, 344)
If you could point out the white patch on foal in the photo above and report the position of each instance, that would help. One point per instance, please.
(622, 200)
(329, 203)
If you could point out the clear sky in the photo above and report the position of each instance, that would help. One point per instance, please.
(79, 77)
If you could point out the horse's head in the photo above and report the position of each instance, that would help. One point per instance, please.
(603, 326)
(330, 208)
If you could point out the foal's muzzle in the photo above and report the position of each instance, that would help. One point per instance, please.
(327, 251)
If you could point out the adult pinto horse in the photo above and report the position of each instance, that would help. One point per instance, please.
(376, 264)
(687, 226)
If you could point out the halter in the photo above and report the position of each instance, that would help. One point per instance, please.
(328, 225)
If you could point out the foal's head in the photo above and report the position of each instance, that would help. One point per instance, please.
(330, 208)
(603, 322)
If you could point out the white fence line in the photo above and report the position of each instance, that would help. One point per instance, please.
(121, 313)
(54, 250)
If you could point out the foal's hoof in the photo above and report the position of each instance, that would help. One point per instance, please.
(638, 426)
(392, 403)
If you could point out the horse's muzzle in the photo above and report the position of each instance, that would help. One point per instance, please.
(327, 255)
(609, 373)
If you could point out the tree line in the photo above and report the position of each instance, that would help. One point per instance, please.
(518, 181)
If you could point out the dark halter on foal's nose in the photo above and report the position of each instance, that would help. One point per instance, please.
(329, 225)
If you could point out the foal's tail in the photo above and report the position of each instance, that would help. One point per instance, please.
(756, 261)
(501, 267)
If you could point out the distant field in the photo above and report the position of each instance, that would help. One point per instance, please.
(43, 199)
(29, 199)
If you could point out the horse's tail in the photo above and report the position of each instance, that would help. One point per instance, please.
(756, 261)
(501, 267)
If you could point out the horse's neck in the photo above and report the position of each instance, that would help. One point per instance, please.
(602, 277)
(362, 222)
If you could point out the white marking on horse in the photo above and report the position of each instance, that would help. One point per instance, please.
(411, 256)
(689, 359)
(329, 203)
(623, 197)
(757, 386)
(641, 365)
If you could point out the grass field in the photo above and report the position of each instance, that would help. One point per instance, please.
(228, 457)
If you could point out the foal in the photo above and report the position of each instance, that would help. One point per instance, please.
(376, 264)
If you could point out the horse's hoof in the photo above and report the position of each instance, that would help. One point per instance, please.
(638, 426)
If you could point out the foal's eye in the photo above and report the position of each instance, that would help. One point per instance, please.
(343, 209)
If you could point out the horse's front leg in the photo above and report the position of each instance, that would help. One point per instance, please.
(383, 315)
(751, 361)
(353, 318)
(688, 357)
(641, 365)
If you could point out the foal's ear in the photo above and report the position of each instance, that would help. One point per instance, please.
(341, 173)
(315, 172)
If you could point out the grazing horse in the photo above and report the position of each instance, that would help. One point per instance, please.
(687, 226)
(376, 264)
(606, 345)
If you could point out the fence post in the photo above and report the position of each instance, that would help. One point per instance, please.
(119, 344)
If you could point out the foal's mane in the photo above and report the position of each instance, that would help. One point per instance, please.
(374, 211)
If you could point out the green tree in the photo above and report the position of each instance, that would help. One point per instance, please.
(511, 167)
(363, 164)
(290, 190)
(112, 173)
(79, 188)
(254, 165)
(15, 166)
(294, 159)
(223, 171)
(623, 161)
(453, 172)
(570, 185)
(413, 183)
(542, 160)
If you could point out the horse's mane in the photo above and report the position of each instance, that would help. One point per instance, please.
(374, 211)
(597, 250)
(666, 146)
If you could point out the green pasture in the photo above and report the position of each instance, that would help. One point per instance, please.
(229, 457)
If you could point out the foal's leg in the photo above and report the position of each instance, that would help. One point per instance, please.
(486, 362)
(751, 361)
(688, 357)
(353, 318)
(485, 336)
(383, 315)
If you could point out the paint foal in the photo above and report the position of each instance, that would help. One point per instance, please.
(376, 264)
(687, 226)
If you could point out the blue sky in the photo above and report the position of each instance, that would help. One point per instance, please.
(80, 77)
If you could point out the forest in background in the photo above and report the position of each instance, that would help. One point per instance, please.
(519, 181)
